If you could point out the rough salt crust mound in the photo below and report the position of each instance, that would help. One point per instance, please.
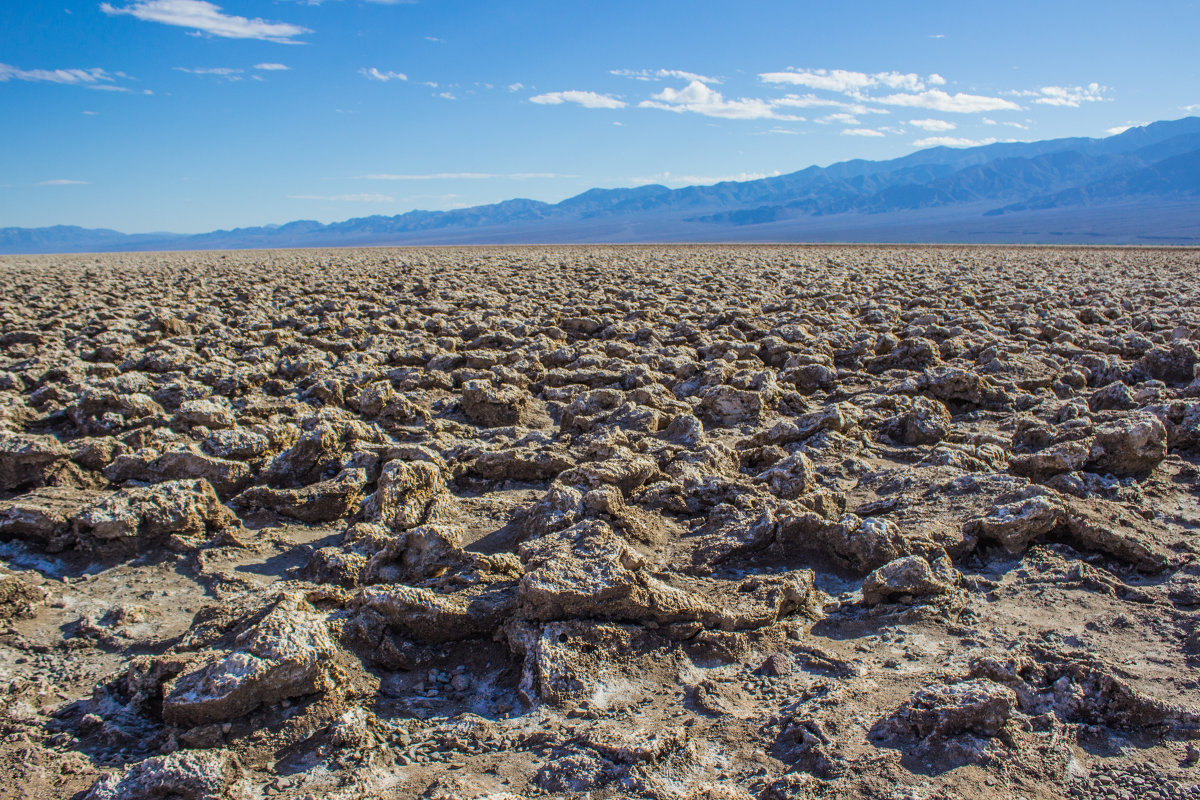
(648, 522)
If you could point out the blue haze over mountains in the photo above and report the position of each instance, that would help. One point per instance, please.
(1138, 187)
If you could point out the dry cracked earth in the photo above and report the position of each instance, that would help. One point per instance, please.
(679, 522)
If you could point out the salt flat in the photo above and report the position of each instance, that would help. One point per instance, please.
(694, 521)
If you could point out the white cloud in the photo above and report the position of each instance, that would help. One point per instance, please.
(447, 95)
(936, 80)
(937, 100)
(375, 75)
(937, 124)
(91, 113)
(951, 141)
(93, 78)
(585, 99)
(62, 182)
(659, 74)
(700, 99)
(443, 176)
(272, 67)
(670, 179)
(848, 82)
(432, 39)
(228, 73)
(205, 17)
(1070, 96)
(516, 87)
(346, 198)
(811, 101)
(861, 132)
(843, 118)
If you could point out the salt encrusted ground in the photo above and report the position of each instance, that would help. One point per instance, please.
(706, 522)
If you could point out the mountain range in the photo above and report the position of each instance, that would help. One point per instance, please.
(1141, 186)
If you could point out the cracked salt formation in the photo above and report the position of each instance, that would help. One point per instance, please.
(736, 522)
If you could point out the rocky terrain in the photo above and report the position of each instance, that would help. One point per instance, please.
(678, 522)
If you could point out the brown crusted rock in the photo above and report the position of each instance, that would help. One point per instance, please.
(407, 495)
(587, 571)
(625, 470)
(28, 459)
(287, 654)
(522, 464)
(979, 707)
(926, 421)
(226, 477)
(791, 476)
(486, 404)
(1015, 524)
(1110, 528)
(44, 516)
(310, 458)
(566, 661)
(1115, 395)
(415, 554)
(323, 501)
(956, 385)
(731, 531)
(1077, 686)
(837, 417)
(203, 411)
(18, 599)
(560, 507)
(1176, 365)
(426, 615)
(859, 545)
(729, 406)
(133, 515)
(185, 775)
(1130, 446)
(911, 575)
(1061, 458)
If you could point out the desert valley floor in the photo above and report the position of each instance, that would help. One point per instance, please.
(712, 522)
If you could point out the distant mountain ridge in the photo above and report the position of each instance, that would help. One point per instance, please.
(1139, 186)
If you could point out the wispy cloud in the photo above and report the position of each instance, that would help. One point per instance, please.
(377, 75)
(93, 78)
(842, 117)
(345, 198)
(207, 18)
(958, 103)
(700, 99)
(660, 74)
(952, 141)
(862, 132)
(671, 179)
(226, 73)
(585, 99)
(813, 101)
(272, 67)
(63, 182)
(1070, 96)
(1194, 107)
(443, 176)
(846, 81)
(933, 124)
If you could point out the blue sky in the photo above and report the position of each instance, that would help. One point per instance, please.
(187, 116)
